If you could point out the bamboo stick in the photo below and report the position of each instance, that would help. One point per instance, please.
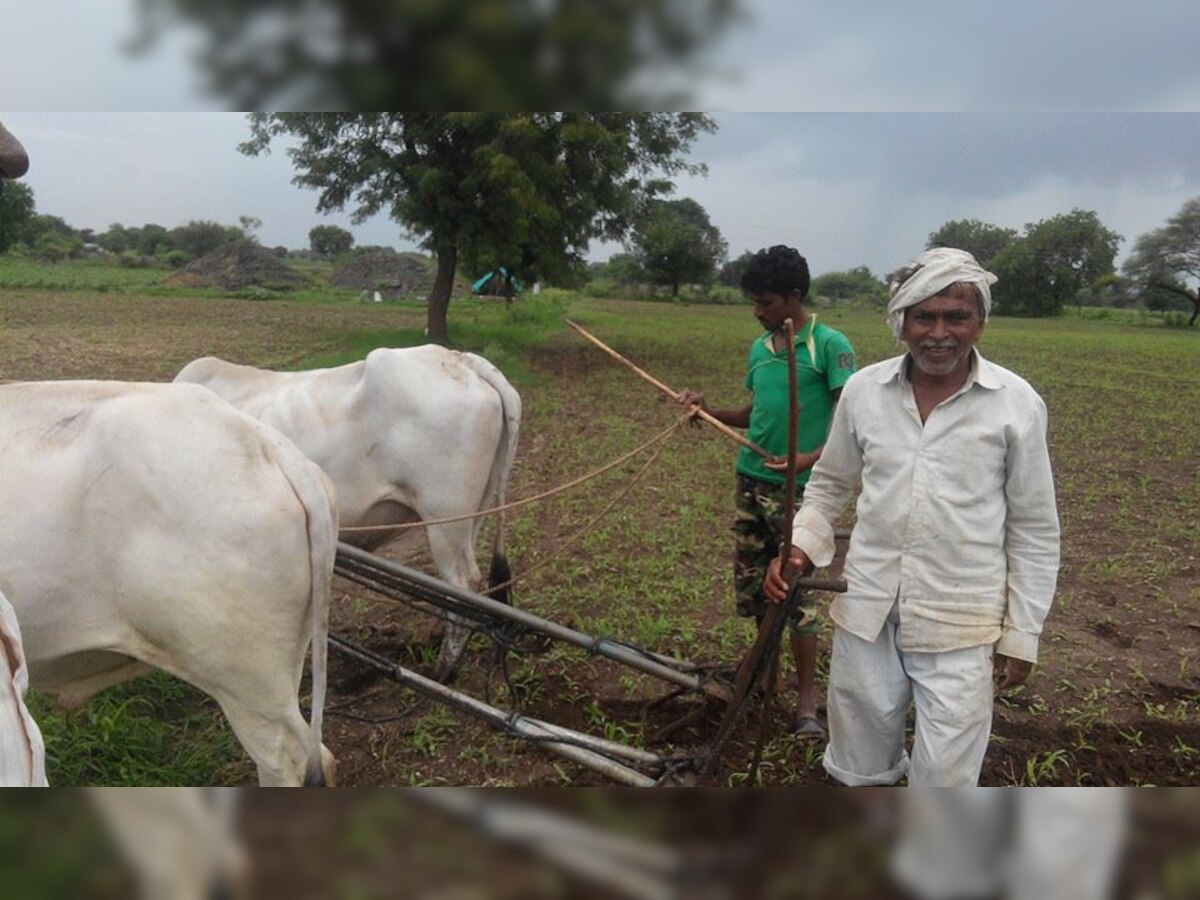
(673, 394)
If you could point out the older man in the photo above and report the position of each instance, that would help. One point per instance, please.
(953, 560)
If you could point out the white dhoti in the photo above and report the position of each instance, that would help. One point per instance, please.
(872, 686)
(1025, 844)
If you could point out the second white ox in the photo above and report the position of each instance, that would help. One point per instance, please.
(153, 525)
(405, 434)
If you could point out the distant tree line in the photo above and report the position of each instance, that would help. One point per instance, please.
(1065, 260)
(51, 239)
(1069, 259)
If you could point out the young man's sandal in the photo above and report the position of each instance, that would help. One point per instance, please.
(808, 728)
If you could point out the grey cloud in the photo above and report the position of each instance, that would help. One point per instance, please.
(1023, 54)
(975, 154)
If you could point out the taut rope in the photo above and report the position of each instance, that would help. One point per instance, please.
(662, 435)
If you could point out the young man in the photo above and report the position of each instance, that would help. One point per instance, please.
(777, 281)
(954, 557)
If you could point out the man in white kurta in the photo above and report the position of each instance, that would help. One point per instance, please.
(22, 752)
(954, 557)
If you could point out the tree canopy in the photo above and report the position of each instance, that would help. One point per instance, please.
(731, 273)
(330, 240)
(452, 54)
(981, 240)
(16, 211)
(1051, 262)
(855, 284)
(198, 237)
(531, 189)
(675, 243)
(1167, 260)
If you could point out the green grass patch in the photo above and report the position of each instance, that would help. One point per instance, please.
(155, 730)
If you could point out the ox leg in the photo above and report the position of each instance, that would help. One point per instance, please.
(273, 732)
(178, 844)
(453, 550)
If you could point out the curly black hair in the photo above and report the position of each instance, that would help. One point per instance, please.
(776, 270)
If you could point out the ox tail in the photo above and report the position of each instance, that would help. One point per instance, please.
(318, 499)
(502, 466)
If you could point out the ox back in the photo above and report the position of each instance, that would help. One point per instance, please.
(155, 526)
(405, 434)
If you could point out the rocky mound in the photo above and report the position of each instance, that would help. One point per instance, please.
(394, 275)
(238, 265)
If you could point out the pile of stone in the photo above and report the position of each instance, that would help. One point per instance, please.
(236, 266)
(395, 276)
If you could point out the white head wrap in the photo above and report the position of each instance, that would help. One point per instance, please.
(934, 271)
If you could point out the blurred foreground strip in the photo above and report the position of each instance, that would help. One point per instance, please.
(455, 54)
(635, 869)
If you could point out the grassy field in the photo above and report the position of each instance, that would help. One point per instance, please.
(1116, 699)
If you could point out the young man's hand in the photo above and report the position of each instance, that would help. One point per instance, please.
(696, 399)
(803, 461)
(774, 585)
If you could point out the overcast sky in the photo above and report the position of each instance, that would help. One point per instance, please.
(846, 189)
(876, 136)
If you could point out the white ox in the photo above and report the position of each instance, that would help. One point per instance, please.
(151, 525)
(406, 434)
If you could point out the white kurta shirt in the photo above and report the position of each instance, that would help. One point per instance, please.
(956, 520)
(22, 752)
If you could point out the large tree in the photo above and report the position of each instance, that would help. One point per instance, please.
(856, 284)
(1051, 262)
(450, 54)
(532, 188)
(198, 236)
(731, 272)
(330, 240)
(16, 212)
(675, 243)
(1167, 260)
(980, 239)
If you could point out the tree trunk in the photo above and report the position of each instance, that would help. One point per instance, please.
(439, 297)
(1195, 309)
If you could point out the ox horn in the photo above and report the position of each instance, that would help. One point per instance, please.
(14, 161)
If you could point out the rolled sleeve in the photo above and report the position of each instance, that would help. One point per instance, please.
(1031, 540)
(813, 534)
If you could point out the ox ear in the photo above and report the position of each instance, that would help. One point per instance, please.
(14, 161)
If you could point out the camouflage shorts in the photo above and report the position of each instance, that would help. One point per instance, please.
(757, 531)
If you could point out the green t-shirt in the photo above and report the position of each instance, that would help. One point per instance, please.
(824, 363)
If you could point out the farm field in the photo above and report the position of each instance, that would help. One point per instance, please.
(1115, 700)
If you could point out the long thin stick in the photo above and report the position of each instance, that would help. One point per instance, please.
(785, 546)
(763, 657)
(673, 394)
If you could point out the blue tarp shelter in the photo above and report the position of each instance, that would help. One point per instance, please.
(498, 281)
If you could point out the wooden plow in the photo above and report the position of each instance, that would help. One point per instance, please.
(625, 765)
